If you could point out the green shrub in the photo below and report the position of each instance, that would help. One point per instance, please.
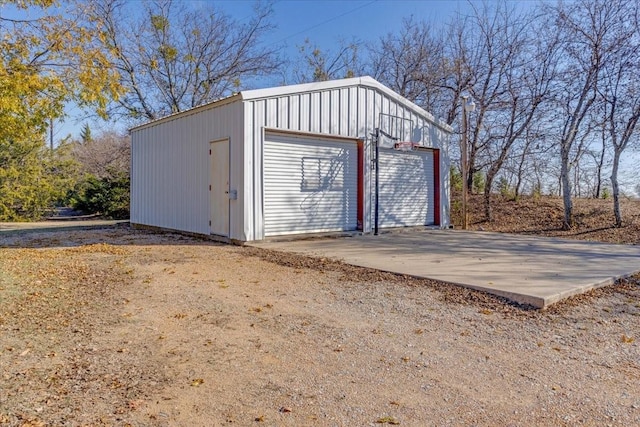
(108, 196)
(479, 182)
(505, 189)
(455, 179)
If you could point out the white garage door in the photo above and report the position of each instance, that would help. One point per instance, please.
(310, 185)
(406, 188)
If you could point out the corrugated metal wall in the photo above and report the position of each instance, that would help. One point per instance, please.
(347, 111)
(406, 188)
(310, 185)
(170, 169)
(170, 162)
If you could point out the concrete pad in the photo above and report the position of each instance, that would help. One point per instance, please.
(525, 269)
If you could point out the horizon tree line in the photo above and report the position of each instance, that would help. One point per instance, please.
(556, 85)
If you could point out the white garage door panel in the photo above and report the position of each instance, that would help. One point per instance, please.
(406, 188)
(310, 185)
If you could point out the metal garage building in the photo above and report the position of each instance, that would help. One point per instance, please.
(291, 160)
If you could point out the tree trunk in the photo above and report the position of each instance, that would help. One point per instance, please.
(488, 213)
(615, 189)
(567, 222)
(600, 164)
(521, 171)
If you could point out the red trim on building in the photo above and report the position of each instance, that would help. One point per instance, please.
(360, 196)
(436, 186)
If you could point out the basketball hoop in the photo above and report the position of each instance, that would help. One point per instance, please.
(385, 140)
(405, 146)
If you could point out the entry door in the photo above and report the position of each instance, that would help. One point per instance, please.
(220, 187)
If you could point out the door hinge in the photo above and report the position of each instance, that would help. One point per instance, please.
(209, 151)
(209, 187)
(209, 223)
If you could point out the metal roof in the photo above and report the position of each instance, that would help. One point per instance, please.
(300, 88)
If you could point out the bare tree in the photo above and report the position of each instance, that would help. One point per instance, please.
(107, 155)
(526, 77)
(173, 57)
(620, 92)
(317, 64)
(586, 29)
(598, 155)
(412, 63)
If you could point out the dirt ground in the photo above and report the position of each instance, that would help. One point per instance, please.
(542, 216)
(128, 327)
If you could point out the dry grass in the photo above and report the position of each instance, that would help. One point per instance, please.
(543, 217)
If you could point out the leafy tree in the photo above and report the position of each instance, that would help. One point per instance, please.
(44, 63)
(108, 196)
(34, 178)
(85, 133)
(104, 164)
(479, 182)
(455, 178)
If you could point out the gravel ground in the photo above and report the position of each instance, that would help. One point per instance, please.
(126, 327)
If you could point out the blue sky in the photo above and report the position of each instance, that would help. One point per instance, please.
(324, 23)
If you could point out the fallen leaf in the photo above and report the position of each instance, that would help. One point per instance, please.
(197, 382)
(627, 340)
(387, 420)
(285, 409)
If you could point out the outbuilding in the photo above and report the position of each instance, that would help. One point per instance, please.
(293, 160)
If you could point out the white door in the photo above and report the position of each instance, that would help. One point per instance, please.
(310, 184)
(220, 187)
(406, 188)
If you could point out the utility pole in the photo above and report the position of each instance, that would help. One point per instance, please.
(468, 106)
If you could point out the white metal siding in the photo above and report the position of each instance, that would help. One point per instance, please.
(310, 185)
(170, 165)
(352, 112)
(171, 169)
(406, 188)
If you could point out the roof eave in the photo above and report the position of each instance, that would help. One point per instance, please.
(199, 108)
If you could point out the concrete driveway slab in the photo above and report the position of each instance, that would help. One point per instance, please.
(525, 269)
